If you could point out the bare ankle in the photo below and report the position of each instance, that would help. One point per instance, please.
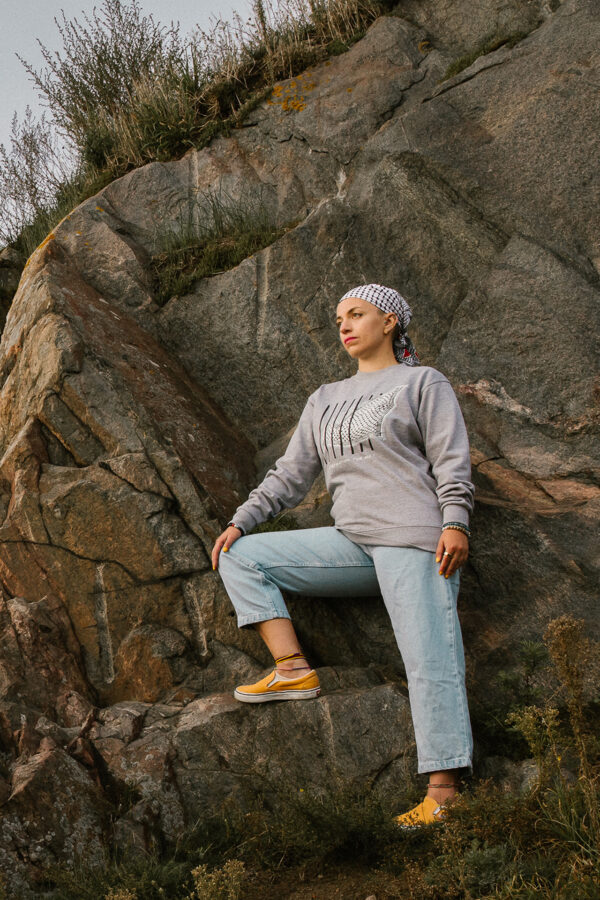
(443, 786)
(293, 671)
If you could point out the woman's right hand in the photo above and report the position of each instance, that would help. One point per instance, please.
(224, 542)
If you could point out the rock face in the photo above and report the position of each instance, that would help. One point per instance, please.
(130, 431)
(11, 266)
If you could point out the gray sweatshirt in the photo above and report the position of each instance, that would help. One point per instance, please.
(395, 453)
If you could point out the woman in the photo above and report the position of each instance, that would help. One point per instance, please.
(394, 449)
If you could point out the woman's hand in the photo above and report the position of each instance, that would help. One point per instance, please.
(224, 542)
(452, 551)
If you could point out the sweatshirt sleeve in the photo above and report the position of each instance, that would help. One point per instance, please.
(447, 449)
(288, 481)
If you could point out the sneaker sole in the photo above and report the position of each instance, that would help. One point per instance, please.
(306, 694)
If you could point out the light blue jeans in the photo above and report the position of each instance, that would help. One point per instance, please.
(321, 562)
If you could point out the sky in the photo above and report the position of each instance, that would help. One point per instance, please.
(27, 20)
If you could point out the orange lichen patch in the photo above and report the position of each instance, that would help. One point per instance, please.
(100, 208)
(291, 96)
(349, 90)
(49, 237)
(77, 232)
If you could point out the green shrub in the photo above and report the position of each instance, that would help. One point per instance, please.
(223, 883)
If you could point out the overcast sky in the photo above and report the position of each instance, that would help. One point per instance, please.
(25, 20)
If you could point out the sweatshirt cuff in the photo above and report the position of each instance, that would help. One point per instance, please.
(455, 513)
(246, 521)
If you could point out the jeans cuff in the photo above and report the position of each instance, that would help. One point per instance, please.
(263, 617)
(440, 765)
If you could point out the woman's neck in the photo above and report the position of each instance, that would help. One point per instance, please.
(378, 361)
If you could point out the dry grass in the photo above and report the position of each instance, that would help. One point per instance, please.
(125, 91)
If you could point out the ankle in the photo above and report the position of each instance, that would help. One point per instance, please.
(293, 671)
(442, 792)
(290, 663)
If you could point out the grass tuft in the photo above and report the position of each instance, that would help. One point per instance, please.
(488, 46)
(213, 233)
(282, 522)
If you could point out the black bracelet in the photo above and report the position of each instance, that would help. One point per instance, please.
(234, 525)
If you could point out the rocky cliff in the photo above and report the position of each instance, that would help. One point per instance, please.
(130, 430)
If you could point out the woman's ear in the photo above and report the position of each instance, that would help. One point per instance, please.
(391, 323)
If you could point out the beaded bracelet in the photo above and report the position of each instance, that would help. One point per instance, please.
(458, 526)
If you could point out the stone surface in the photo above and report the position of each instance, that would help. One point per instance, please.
(72, 824)
(130, 431)
(463, 27)
(187, 762)
(11, 266)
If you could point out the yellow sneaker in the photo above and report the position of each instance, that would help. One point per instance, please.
(426, 813)
(276, 687)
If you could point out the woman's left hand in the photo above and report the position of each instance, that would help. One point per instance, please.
(452, 551)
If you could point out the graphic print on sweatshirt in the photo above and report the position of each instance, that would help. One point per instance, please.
(348, 426)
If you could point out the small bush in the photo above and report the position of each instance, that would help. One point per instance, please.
(101, 63)
(37, 184)
(120, 894)
(521, 686)
(224, 883)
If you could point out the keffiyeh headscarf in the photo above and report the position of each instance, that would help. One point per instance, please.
(389, 300)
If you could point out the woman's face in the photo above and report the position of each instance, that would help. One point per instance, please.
(363, 328)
